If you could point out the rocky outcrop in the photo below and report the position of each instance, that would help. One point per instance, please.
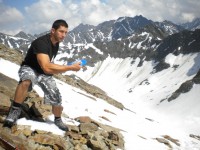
(89, 134)
(10, 54)
(86, 136)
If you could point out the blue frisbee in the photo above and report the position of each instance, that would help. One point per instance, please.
(83, 62)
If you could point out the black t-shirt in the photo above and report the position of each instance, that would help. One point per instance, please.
(43, 45)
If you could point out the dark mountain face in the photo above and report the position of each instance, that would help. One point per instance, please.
(169, 27)
(185, 42)
(125, 26)
(141, 42)
(81, 34)
(155, 45)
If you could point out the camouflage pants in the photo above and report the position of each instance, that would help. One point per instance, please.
(47, 83)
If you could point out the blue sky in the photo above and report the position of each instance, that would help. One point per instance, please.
(36, 16)
(19, 4)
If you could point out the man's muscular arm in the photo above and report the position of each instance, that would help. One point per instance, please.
(50, 68)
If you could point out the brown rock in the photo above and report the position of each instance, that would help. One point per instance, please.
(108, 111)
(73, 135)
(175, 141)
(103, 117)
(83, 119)
(21, 129)
(4, 110)
(85, 127)
(164, 141)
(97, 145)
(52, 140)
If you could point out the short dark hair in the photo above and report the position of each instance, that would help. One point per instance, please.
(59, 23)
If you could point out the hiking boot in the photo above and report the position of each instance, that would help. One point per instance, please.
(12, 117)
(59, 123)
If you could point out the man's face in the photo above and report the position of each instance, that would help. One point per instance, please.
(60, 33)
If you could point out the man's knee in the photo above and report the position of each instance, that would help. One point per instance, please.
(25, 84)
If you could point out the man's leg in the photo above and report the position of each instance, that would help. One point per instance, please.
(57, 110)
(52, 96)
(15, 110)
(27, 78)
(21, 91)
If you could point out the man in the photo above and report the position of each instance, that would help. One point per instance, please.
(38, 68)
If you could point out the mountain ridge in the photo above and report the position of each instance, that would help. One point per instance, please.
(105, 28)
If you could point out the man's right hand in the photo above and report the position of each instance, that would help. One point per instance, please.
(76, 66)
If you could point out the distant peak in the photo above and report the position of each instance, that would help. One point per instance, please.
(21, 34)
(82, 27)
(168, 22)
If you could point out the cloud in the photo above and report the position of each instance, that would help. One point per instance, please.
(40, 15)
(11, 21)
(9, 15)
(56, 1)
(158, 10)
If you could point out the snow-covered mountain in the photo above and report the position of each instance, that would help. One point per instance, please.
(106, 31)
(19, 42)
(150, 67)
(115, 29)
